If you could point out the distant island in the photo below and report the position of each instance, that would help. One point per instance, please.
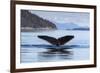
(71, 26)
(81, 28)
(32, 22)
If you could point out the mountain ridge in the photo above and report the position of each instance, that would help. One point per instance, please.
(71, 26)
(34, 22)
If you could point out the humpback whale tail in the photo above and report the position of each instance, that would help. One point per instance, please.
(57, 42)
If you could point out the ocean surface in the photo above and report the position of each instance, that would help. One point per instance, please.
(33, 48)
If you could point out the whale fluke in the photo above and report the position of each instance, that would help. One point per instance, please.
(57, 42)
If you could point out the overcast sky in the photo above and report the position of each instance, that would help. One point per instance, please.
(80, 18)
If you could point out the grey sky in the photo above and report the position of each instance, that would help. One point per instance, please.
(80, 18)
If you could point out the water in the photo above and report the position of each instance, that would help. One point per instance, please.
(34, 49)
